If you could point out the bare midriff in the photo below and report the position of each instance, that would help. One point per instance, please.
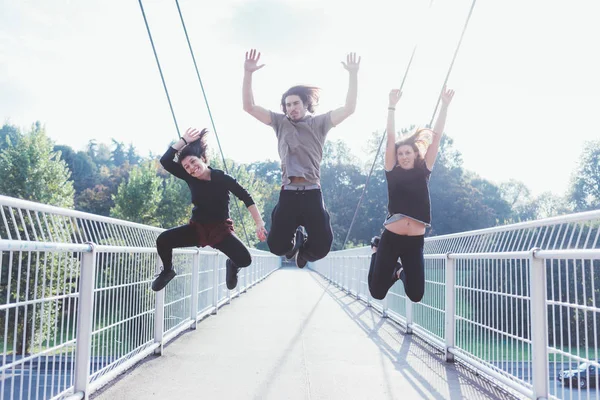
(406, 227)
(298, 179)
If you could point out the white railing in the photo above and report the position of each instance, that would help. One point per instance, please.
(520, 303)
(74, 315)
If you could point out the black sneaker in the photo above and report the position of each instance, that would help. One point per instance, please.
(231, 272)
(299, 239)
(300, 261)
(399, 272)
(162, 279)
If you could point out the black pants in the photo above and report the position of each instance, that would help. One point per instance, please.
(381, 272)
(185, 236)
(306, 208)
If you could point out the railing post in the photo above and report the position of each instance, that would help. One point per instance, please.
(346, 276)
(369, 297)
(85, 313)
(246, 276)
(357, 274)
(194, 294)
(450, 306)
(159, 314)
(409, 316)
(214, 260)
(538, 326)
(384, 307)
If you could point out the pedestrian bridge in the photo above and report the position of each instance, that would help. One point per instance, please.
(507, 310)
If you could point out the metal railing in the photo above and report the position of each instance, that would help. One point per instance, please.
(519, 303)
(76, 308)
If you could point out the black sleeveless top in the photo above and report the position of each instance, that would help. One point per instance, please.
(408, 192)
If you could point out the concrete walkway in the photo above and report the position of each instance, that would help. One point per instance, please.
(294, 336)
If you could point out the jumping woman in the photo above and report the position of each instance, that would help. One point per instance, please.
(210, 224)
(408, 164)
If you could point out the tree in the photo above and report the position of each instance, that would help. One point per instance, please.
(83, 170)
(585, 183)
(456, 205)
(268, 171)
(491, 197)
(137, 199)
(118, 156)
(518, 197)
(8, 134)
(96, 200)
(551, 205)
(341, 182)
(31, 170)
(132, 155)
(175, 207)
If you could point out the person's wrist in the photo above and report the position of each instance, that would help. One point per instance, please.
(184, 141)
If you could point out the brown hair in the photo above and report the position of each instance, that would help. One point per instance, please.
(419, 140)
(308, 94)
(197, 148)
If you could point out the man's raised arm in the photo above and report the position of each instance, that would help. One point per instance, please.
(340, 114)
(250, 66)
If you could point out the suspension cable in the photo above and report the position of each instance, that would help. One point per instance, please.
(452, 63)
(431, 122)
(159, 68)
(210, 114)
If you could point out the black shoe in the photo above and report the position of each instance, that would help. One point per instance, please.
(162, 279)
(231, 272)
(298, 241)
(300, 261)
(399, 273)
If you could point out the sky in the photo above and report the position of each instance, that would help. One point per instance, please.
(526, 76)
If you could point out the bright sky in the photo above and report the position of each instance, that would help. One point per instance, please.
(526, 76)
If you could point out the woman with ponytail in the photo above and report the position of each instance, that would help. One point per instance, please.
(408, 164)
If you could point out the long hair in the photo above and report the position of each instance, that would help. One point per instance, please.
(419, 140)
(197, 148)
(308, 94)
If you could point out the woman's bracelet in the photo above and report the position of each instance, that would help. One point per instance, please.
(392, 108)
(184, 141)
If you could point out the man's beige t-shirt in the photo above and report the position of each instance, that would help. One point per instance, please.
(300, 144)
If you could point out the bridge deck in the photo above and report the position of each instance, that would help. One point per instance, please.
(294, 336)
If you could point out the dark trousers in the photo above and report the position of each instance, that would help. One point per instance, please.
(185, 236)
(306, 208)
(384, 263)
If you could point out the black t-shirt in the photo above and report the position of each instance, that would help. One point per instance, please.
(210, 198)
(408, 192)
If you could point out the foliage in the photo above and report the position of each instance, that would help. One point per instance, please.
(31, 170)
(138, 197)
(585, 183)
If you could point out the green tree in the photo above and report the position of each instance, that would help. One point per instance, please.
(132, 155)
(96, 200)
(175, 207)
(491, 197)
(138, 197)
(585, 183)
(118, 155)
(8, 134)
(551, 205)
(518, 197)
(31, 170)
(342, 183)
(83, 170)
